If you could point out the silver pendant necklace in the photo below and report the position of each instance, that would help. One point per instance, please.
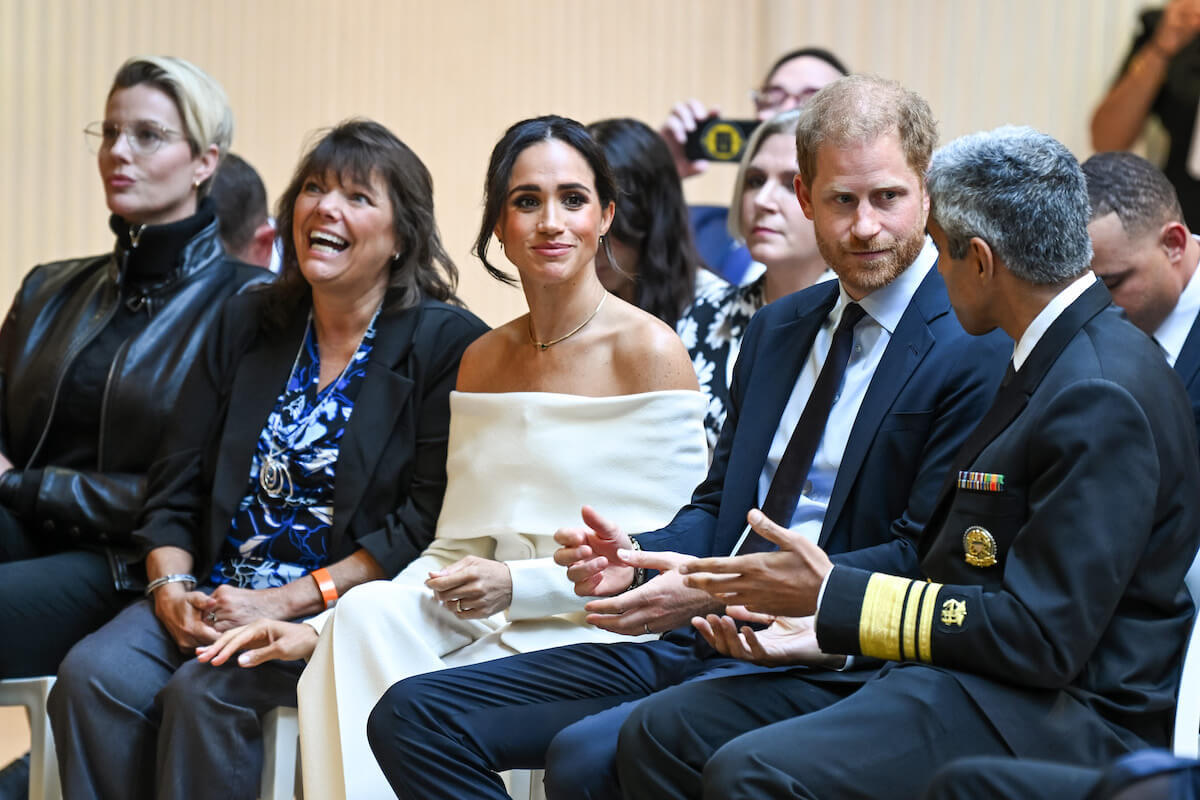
(274, 473)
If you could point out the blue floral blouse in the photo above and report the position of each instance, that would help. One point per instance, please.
(282, 526)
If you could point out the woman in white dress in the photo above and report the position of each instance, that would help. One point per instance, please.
(586, 396)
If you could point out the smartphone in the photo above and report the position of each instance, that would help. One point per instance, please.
(719, 139)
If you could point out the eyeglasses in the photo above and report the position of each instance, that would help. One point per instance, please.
(143, 137)
(772, 97)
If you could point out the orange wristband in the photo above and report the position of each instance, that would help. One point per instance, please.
(326, 585)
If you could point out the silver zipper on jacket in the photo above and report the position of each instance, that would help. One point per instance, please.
(108, 385)
(76, 348)
(135, 235)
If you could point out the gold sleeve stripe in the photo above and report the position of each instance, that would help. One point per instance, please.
(928, 607)
(912, 605)
(879, 621)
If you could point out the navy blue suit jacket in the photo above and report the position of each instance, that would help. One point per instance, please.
(931, 387)
(1188, 367)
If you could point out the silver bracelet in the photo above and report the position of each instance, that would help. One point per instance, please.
(165, 579)
(639, 573)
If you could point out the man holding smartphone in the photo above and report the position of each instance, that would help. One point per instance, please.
(792, 80)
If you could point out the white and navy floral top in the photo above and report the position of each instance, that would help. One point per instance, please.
(280, 535)
(712, 330)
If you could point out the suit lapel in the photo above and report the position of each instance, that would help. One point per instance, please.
(260, 378)
(1014, 395)
(381, 399)
(906, 349)
(778, 362)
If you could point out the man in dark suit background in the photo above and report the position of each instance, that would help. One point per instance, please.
(1147, 257)
(1049, 614)
(913, 384)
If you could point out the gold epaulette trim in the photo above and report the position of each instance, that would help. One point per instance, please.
(896, 622)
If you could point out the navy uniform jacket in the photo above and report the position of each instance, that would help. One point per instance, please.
(1054, 582)
(931, 387)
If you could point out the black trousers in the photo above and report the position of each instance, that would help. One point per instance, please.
(1143, 775)
(51, 598)
(781, 734)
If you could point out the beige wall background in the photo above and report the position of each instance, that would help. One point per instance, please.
(449, 76)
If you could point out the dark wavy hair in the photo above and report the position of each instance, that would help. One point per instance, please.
(357, 149)
(819, 53)
(524, 134)
(651, 218)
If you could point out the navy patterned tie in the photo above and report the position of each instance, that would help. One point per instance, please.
(784, 492)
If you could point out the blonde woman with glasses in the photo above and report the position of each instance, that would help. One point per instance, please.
(92, 355)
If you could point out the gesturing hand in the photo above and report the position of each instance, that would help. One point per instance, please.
(785, 641)
(785, 581)
(590, 556)
(473, 587)
(661, 604)
(262, 640)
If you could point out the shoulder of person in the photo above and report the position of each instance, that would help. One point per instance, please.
(445, 318)
(248, 275)
(488, 352)
(54, 274)
(647, 345)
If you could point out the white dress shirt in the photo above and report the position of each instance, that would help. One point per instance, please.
(883, 308)
(1174, 330)
(1052, 311)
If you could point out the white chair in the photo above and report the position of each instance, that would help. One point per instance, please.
(525, 784)
(281, 739)
(43, 763)
(1186, 740)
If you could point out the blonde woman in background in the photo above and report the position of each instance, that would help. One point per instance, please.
(767, 217)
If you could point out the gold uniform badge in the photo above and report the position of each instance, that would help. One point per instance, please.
(954, 612)
(979, 547)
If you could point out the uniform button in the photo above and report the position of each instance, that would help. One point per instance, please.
(75, 532)
(103, 538)
(807, 488)
(858, 348)
(48, 526)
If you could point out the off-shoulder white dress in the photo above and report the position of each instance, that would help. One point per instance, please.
(519, 466)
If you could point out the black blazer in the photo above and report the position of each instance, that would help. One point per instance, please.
(1072, 640)
(391, 468)
(931, 387)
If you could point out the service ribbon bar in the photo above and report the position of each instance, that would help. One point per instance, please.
(981, 481)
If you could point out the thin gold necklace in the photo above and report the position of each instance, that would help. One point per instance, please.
(547, 345)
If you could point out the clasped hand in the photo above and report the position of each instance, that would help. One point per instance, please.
(195, 618)
(473, 587)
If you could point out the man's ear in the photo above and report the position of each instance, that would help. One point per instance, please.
(981, 253)
(1173, 238)
(803, 195)
(261, 245)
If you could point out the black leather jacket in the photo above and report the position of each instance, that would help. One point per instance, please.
(60, 308)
